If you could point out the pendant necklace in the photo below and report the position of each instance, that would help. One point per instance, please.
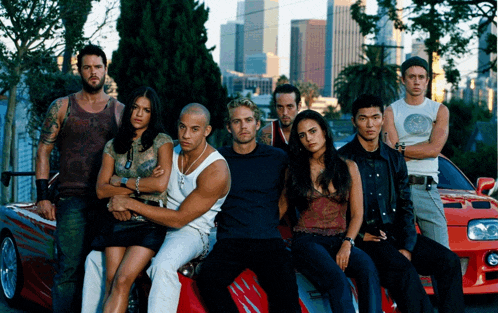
(182, 173)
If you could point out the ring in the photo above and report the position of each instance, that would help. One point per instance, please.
(108, 205)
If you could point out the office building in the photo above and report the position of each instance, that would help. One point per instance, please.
(260, 27)
(307, 51)
(232, 46)
(343, 43)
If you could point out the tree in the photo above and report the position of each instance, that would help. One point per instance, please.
(371, 77)
(282, 80)
(331, 113)
(163, 45)
(28, 26)
(463, 118)
(441, 22)
(309, 91)
(74, 15)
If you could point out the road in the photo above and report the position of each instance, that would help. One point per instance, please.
(474, 304)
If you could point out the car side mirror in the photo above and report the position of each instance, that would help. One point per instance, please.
(483, 184)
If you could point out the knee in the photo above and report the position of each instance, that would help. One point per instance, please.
(122, 283)
(451, 261)
(162, 267)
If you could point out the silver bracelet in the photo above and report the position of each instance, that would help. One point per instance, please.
(137, 181)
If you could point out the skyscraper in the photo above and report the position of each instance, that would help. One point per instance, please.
(390, 37)
(343, 43)
(232, 46)
(307, 51)
(260, 27)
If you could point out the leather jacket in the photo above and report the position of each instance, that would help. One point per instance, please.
(399, 211)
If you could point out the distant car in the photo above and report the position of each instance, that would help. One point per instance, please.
(27, 268)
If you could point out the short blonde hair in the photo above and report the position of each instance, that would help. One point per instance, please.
(246, 102)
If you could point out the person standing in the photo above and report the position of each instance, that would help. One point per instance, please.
(287, 101)
(247, 235)
(80, 125)
(388, 233)
(418, 128)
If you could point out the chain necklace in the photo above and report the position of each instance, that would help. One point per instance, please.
(182, 173)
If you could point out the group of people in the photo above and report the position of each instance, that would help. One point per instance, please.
(129, 198)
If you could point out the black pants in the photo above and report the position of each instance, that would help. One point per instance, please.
(267, 258)
(400, 276)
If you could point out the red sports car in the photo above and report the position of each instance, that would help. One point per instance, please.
(28, 250)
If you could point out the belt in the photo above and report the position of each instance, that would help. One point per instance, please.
(419, 180)
(140, 218)
(150, 202)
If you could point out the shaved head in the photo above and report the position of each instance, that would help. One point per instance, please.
(197, 109)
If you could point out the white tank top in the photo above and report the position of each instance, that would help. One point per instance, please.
(414, 124)
(178, 191)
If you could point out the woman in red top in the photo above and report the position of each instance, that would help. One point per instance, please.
(321, 187)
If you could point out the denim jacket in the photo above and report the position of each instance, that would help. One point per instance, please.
(399, 211)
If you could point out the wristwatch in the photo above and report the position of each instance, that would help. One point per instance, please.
(124, 180)
(351, 241)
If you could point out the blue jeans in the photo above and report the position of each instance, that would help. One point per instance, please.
(314, 256)
(77, 224)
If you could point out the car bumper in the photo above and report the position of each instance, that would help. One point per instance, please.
(478, 276)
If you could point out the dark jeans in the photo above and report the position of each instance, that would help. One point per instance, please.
(315, 255)
(267, 258)
(400, 276)
(77, 223)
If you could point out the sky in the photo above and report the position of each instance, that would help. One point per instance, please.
(222, 11)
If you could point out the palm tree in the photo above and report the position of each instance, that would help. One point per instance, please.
(309, 91)
(371, 77)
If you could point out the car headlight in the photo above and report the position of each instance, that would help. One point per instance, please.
(483, 229)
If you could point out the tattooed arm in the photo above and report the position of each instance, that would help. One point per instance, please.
(49, 132)
(264, 135)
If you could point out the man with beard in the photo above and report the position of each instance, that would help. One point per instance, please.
(287, 101)
(80, 124)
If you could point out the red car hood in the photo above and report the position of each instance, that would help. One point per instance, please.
(464, 205)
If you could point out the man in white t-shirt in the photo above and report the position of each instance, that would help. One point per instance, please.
(198, 185)
(418, 128)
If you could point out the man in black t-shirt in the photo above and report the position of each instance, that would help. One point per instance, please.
(247, 224)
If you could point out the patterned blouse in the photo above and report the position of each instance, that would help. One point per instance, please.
(325, 216)
(143, 162)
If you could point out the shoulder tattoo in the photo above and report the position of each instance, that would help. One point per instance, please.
(265, 137)
(50, 128)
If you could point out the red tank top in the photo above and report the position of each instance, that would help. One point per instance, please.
(325, 216)
(81, 142)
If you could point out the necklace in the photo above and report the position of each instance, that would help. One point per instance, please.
(182, 173)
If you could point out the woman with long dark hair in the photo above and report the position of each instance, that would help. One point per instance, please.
(137, 162)
(321, 187)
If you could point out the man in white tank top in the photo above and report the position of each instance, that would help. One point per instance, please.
(198, 185)
(418, 128)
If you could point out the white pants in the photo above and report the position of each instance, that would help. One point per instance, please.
(179, 247)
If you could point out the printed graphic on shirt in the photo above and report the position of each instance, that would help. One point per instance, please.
(418, 124)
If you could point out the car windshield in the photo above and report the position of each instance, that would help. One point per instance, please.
(451, 178)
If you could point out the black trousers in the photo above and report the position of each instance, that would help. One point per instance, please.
(400, 276)
(267, 258)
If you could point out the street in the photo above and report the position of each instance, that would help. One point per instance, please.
(474, 304)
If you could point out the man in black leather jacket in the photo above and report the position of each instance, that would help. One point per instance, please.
(388, 232)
